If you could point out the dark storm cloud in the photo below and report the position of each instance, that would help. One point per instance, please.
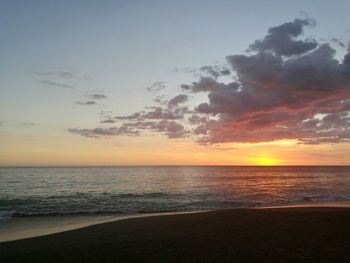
(56, 84)
(286, 87)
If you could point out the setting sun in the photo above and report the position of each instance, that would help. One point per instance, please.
(265, 160)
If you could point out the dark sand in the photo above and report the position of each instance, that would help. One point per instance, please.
(303, 234)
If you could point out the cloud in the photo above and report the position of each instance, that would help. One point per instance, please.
(179, 99)
(209, 84)
(86, 103)
(171, 129)
(215, 71)
(189, 70)
(62, 73)
(279, 93)
(104, 132)
(157, 113)
(92, 98)
(223, 148)
(160, 99)
(56, 84)
(97, 96)
(156, 87)
(56, 75)
(282, 39)
(108, 121)
(29, 124)
(286, 87)
(161, 119)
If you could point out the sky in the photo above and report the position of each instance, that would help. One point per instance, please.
(174, 82)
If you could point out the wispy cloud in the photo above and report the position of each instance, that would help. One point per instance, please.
(58, 76)
(110, 120)
(29, 123)
(62, 73)
(56, 84)
(97, 96)
(214, 71)
(86, 103)
(102, 132)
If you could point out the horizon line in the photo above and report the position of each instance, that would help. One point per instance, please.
(173, 165)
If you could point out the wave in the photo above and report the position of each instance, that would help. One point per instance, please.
(94, 203)
(63, 213)
(7, 215)
(324, 198)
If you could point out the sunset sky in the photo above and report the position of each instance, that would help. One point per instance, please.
(174, 82)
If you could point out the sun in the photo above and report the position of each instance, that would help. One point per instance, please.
(266, 161)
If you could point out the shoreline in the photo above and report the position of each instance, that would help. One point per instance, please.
(32, 227)
(38, 226)
(335, 204)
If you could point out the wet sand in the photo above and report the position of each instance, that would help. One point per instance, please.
(27, 227)
(290, 234)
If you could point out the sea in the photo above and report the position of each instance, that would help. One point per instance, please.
(54, 191)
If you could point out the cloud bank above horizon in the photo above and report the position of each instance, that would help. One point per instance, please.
(285, 87)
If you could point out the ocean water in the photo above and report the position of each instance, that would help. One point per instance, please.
(42, 191)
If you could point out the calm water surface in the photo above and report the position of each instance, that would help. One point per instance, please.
(129, 190)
